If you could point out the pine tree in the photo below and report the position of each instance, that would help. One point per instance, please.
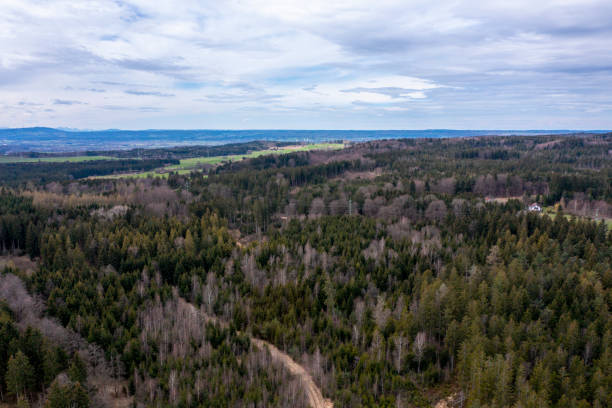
(19, 375)
(54, 362)
(57, 397)
(77, 371)
(78, 397)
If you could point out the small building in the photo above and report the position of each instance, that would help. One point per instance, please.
(535, 207)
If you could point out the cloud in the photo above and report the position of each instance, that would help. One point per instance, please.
(114, 107)
(67, 102)
(151, 65)
(395, 109)
(397, 88)
(130, 12)
(147, 93)
(316, 64)
(69, 88)
(25, 103)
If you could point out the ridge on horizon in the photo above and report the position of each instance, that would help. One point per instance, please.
(76, 130)
(53, 140)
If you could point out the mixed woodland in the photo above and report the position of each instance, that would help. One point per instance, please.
(397, 273)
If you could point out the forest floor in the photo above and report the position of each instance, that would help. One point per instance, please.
(113, 392)
(313, 393)
(454, 400)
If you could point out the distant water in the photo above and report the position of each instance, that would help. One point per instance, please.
(56, 140)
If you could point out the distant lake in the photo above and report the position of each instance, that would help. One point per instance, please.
(56, 140)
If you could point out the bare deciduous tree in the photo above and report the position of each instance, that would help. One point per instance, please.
(381, 312)
(418, 347)
(338, 207)
(436, 210)
(317, 208)
(210, 292)
(173, 386)
(400, 342)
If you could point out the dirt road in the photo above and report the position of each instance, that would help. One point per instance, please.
(313, 393)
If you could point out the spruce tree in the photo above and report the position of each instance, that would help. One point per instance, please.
(19, 375)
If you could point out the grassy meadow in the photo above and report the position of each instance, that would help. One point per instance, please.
(194, 163)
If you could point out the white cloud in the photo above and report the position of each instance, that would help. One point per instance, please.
(471, 61)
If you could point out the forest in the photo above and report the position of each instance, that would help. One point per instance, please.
(391, 273)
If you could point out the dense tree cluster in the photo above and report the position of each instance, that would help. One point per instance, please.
(111, 281)
(30, 364)
(19, 174)
(182, 152)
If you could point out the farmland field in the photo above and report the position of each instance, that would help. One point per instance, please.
(193, 163)
(187, 164)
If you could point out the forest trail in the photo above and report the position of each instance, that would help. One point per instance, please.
(313, 393)
(456, 399)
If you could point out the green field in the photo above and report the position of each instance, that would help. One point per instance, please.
(552, 213)
(194, 163)
(57, 159)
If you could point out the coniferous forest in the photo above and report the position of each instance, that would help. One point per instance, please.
(392, 273)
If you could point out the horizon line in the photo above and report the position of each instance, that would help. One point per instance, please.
(66, 129)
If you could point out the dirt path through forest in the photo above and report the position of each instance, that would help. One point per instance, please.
(313, 393)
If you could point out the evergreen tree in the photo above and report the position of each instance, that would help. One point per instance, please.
(19, 375)
(57, 397)
(77, 371)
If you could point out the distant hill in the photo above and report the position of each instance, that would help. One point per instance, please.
(44, 139)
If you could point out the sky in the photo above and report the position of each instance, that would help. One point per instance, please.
(316, 64)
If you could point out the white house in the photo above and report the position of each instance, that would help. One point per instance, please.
(535, 207)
